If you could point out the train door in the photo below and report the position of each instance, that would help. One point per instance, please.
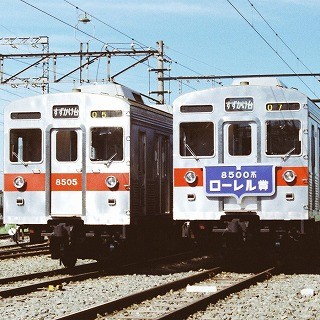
(142, 171)
(240, 154)
(163, 173)
(66, 172)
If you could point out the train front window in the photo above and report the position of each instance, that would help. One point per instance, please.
(106, 144)
(239, 139)
(67, 145)
(283, 137)
(25, 145)
(196, 139)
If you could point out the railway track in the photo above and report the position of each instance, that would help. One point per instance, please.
(63, 276)
(51, 273)
(56, 280)
(68, 284)
(22, 250)
(4, 237)
(172, 300)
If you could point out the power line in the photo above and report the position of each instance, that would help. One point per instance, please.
(270, 46)
(277, 35)
(106, 24)
(77, 29)
(131, 38)
(64, 22)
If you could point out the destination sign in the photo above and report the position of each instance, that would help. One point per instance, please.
(240, 181)
(65, 112)
(106, 113)
(283, 106)
(238, 104)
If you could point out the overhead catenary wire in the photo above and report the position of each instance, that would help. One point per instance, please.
(133, 39)
(106, 24)
(64, 22)
(99, 40)
(270, 46)
(277, 35)
(74, 27)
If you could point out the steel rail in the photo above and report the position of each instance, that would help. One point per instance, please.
(202, 303)
(20, 247)
(25, 254)
(44, 284)
(24, 251)
(55, 272)
(91, 313)
(97, 270)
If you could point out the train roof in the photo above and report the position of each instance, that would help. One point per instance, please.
(269, 87)
(118, 90)
(112, 89)
(262, 81)
(108, 89)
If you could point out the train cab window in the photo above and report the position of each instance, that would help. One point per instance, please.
(283, 137)
(25, 145)
(239, 139)
(196, 139)
(107, 144)
(67, 145)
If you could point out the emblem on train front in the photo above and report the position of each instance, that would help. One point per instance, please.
(240, 181)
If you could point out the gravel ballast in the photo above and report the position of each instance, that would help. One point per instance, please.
(278, 298)
(281, 297)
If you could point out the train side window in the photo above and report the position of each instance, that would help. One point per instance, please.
(239, 139)
(67, 145)
(25, 145)
(283, 137)
(106, 144)
(196, 139)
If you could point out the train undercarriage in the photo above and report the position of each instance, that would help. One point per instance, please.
(248, 239)
(111, 245)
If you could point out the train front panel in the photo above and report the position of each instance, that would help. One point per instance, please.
(244, 151)
(65, 157)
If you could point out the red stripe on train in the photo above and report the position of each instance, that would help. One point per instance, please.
(301, 180)
(66, 182)
(96, 181)
(179, 180)
(34, 181)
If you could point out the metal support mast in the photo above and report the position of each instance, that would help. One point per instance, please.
(160, 74)
(36, 44)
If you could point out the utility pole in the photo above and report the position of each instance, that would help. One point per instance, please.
(160, 74)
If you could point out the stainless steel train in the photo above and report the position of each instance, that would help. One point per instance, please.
(246, 162)
(90, 169)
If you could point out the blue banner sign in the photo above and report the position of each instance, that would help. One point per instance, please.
(240, 181)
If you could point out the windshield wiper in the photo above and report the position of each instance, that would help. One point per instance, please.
(20, 160)
(191, 151)
(288, 154)
(110, 159)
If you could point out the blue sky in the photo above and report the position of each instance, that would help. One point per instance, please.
(201, 37)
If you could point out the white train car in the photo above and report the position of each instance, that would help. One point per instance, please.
(246, 158)
(89, 168)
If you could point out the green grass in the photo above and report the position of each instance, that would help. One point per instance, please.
(4, 229)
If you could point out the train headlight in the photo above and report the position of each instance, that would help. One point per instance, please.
(190, 177)
(111, 182)
(289, 176)
(19, 182)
